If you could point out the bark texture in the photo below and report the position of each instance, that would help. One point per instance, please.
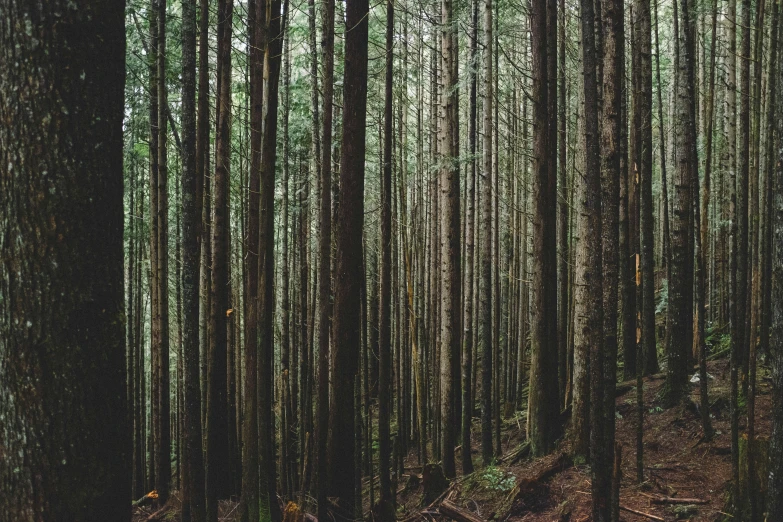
(66, 436)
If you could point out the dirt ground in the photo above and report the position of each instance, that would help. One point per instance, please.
(677, 463)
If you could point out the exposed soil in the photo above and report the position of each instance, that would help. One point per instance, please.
(677, 463)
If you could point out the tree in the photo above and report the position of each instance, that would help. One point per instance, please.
(217, 470)
(643, 105)
(163, 406)
(67, 449)
(385, 507)
(268, 506)
(485, 283)
(544, 417)
(588, 350)
(324, 257)
(773, 183)
(250, 478)
(470, 247)
(680, 283)
(193, 497)
(611, 150)
(348, 260)
(449, 243)
(775, 487)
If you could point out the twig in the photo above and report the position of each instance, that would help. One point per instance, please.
(641, 513)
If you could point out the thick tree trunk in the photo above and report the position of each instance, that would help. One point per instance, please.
(543, 422)
(218, 479)
(348, 260)
(680, 308)
(67, 449)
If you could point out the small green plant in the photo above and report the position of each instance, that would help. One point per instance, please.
(492, 478)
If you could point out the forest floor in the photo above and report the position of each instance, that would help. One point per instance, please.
(677, 464)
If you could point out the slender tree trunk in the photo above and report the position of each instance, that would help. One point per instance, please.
(743, 195)
(702, 239)
(163, 429)
(325, 255)
(468, 393)
(268, 505)
(611, 150)
(775, 487)
(385, 509)
(250, 484)
(449, 242)
(193, 496)
(485, 283)
(562, 217)
(643, 104)
(154, 236)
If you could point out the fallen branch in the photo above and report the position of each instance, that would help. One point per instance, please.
(517, 454)
(146, 499)
(641, 513)
(525, 486)
(158, 515)
(451, 510)
(675, 500)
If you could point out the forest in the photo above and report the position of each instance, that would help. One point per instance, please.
(409, 260)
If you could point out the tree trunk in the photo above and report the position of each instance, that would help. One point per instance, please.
(67, 449)
(543, 396)
(775, 488)
(680, 284)
(348, 260)
(193, 496)
(384, 346)
(324, 257)
(611, 150)
(217, 469)
(268, 505)
(449, 243)
(250, 484)
(485, 283)
(162, 421)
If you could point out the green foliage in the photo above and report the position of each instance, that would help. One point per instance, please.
(491, 479)
(663, 298)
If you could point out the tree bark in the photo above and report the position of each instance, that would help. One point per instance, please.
(325, 257)
(384, 329)
(543, 422)
(193, 496)
(348, 260)
(67, 449)
(268, 505)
